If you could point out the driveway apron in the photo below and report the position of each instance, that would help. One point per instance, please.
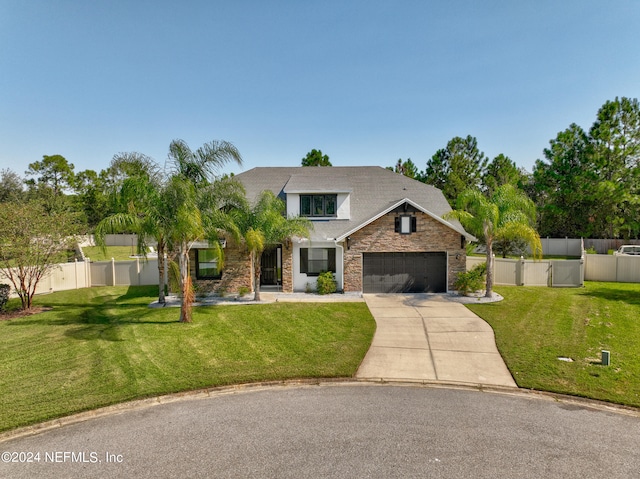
(427, 337)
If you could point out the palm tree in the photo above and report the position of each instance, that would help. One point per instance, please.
(191, 188)
(265, 224)
(187, 204)
(144, 210)
(507, 215)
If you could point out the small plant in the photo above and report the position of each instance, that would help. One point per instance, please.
(326, 283)
(473, 280)
(591, 250)
(4, 295)
(242, 291)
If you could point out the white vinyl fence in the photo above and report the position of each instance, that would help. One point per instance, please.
(523, 272)
(519, 272)
(605, 267)
(558, 273)
(83, 274)
(136, 272)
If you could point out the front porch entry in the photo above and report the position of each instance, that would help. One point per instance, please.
(271, 269)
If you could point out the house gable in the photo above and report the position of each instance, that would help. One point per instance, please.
(380, 236)
(404, 205)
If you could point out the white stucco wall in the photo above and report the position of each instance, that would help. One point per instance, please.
(300, 280)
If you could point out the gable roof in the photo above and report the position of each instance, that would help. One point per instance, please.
(374, 192)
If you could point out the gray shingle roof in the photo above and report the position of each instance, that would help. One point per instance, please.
(373, 191)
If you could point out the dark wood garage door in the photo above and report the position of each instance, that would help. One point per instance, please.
(404, 272)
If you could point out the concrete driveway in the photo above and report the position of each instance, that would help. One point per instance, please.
(427, 337)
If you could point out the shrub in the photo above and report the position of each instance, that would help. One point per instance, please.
(472, 280)
(242, 291)
(326, 283)
(4, 295)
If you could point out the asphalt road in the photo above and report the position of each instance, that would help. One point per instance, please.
(339, 430)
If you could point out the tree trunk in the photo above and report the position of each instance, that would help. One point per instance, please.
(489, 286)
(161, 269)
(185, 284)
(256, 276)
(25, 296)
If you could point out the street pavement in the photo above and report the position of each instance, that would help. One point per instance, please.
(339, 430)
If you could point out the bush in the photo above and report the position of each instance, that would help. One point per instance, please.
(326, 283)
(473, 280)
(4, 295)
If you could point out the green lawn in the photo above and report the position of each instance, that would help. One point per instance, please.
(534, 326)
(119, 253)
(100, 346)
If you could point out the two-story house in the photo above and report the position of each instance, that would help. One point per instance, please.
(378, 231)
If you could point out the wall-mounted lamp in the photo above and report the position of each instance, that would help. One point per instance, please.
(348, 242)
(457, 255)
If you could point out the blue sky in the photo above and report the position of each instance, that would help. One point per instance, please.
(367, 82)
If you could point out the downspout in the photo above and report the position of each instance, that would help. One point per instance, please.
(335, 241)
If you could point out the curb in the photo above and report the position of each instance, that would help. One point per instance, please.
(572, 401)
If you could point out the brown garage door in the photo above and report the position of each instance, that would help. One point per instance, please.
(404, 272)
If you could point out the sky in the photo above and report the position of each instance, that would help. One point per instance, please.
(367, 82)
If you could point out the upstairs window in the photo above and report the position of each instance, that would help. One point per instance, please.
(318, 205)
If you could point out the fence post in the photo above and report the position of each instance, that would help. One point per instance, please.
(87, 272)
(138, 271)
(520, 278)
(113, 272)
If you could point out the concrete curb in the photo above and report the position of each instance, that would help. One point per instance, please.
(213, 392)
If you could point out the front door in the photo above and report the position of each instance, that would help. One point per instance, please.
(271, 266)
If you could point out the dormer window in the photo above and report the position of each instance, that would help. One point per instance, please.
(318, 205)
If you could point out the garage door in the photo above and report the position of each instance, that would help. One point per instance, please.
(404, 272)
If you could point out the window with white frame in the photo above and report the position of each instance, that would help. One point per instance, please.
(314, 261)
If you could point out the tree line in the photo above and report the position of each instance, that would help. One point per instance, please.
(587, 185)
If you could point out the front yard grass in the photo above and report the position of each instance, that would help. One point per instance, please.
(100, 346)
(534, 326)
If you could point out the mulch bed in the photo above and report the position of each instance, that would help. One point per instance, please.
(19, 313)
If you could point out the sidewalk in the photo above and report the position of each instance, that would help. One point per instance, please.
(265, 297)
(423, 337)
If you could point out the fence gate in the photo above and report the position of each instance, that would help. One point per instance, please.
(567, 273)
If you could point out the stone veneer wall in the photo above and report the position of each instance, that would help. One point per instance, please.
(380, 237)
(236, 272)
(287, 267)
